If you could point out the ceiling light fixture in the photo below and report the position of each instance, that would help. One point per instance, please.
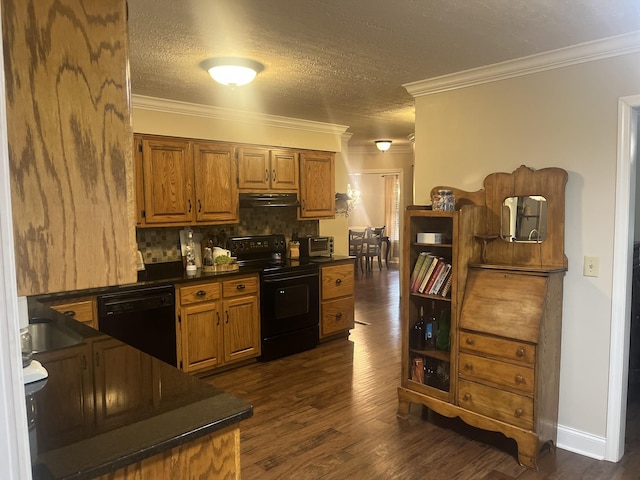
(383, 145)
(232, 71)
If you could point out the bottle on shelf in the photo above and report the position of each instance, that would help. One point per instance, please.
(430, 327)
(418, 335)
(443, 338)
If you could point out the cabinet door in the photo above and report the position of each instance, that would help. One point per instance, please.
(201, 336)
(241, 328)
(254, 173)
(317, 190)
(284, 170)
(168, 177)
(216, 191)
(139, 179)
(64, 407)
(123, 382)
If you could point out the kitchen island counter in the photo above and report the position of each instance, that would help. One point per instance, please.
(107, 407)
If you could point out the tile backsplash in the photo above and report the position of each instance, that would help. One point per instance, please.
(163, 244)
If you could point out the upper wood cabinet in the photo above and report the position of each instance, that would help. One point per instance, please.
(261, 169)
(317, 185)
(186, 182)
(69, 143)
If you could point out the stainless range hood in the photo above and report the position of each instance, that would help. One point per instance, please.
(253, 200)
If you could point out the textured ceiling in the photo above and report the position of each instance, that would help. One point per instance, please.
(345, 61)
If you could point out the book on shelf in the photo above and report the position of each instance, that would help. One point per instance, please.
(434, 275)
(416, 268)
(424, 267)
(428, 274)
(447, 286)
(440, 281)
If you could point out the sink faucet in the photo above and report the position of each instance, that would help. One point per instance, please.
(536, 232)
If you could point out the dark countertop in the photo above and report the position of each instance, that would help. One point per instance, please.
(95, 414)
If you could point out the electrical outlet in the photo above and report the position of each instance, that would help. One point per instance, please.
(591, 266)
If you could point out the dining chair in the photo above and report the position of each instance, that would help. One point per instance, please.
(373, 246)
(356, 247)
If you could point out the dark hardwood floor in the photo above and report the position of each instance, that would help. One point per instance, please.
(330, 413)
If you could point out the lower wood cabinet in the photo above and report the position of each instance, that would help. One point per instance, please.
(337, 306)
(218, 323)
(82, 309)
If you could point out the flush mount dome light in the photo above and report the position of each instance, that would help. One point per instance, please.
(232, 71)
(383, 145)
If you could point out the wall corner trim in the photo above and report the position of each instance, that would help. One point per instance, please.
(155, 104)
(563, 57)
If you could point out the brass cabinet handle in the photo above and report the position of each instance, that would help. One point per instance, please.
(518, 412)
(468, 366)
(303, 204)
(274, 175)
(467, 397)
(199, 206)
(520, 352)
(69, 313)
(240, 286)
(266, 175)
(201, 293)
(519, 379)
(227, 316)
(338, 315)
(218, 315)
(189, 200)
(469, 341)
(338, 281)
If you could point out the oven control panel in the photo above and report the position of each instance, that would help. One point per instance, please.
(256, 245)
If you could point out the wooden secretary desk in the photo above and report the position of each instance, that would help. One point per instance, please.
(499, 367)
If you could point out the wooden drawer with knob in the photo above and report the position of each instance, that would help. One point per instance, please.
(202, 292)
(337, 281)
(337, 316)
(501, 405)
(506, 349)
(515, 378)
(240, 286)
(81, 309)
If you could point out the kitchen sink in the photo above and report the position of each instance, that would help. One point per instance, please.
(46, 335)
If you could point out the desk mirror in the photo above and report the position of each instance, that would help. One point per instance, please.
(524, 219)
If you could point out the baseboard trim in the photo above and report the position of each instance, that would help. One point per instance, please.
(581, 443)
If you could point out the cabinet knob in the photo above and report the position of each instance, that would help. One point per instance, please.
(338, 281)
(520, 352)
(69, 313)
(240, 286)
(201, 293)
(467, 397)
(468, 366)
(469, 341)
(518, 412)
(338, 315)
(519, 379)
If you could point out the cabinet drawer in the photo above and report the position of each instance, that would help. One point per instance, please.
(504, 406)
(517, 378)
(509, 350)
(240, 286)
(80, 310)
(337, 316)
(201, 292)
(337, 281)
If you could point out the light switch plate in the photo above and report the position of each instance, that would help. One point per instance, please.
(591, 266)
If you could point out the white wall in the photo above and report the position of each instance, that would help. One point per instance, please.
(370, 209)
(563, 118)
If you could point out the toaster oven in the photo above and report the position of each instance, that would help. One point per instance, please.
(315, 246)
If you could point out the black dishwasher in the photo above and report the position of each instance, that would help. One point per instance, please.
(143, 318)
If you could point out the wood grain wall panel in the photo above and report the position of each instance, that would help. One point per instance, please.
(70, 143)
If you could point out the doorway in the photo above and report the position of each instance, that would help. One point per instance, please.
(628, 124)
(380, 204)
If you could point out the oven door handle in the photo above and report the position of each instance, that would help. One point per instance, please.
(288, 277)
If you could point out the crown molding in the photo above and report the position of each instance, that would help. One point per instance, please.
(563, 57)
(154, 104)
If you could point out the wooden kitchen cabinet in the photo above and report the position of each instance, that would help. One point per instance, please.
(317, 185)
(186, 182)
(219, 323)
(502, 368)
(82, 309)
(68, 412)
(261, 169)
(337, 304)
